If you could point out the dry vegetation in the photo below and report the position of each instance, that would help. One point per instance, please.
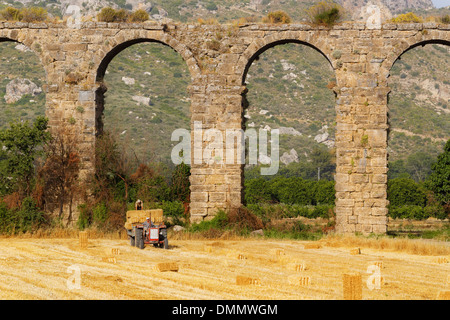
(236, 268)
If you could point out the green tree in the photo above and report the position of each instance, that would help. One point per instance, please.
(418, 165)
(180, 183)
(405, 191)
(439, 179)
(21, 145)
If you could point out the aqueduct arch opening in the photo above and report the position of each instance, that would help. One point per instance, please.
(304, 97)
(418, 120)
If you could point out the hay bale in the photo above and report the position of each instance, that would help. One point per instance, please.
(167, 266)
(109, 259)
(277, 252)
(247, 281)
(112, 251)
(443, 295)
(208, 249)
(379, 264)
(236, 255)
(302, 281)
(352, 286)
(298, 266)
(441, 260)
(83, 236)
(156, 215)
(373, 281)
(312, 246)
(355, 251)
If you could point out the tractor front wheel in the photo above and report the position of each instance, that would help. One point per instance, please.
(166, 241)
(132, 241)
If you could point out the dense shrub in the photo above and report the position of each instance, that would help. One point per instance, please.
(10, 14)
(27, 218)
(277, 17)
(100, 213)
(325, 13)
(173, 210)
(107, 14)
(33, 14)
(139, 16)
(407, 18)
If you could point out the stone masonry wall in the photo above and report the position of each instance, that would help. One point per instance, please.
(218, 57)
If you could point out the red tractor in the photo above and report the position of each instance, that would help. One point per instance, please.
(141, 233)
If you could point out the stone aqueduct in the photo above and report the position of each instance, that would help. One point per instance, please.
(75, 61)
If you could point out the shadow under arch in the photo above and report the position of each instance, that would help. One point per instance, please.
(101, 70)
(275, 43)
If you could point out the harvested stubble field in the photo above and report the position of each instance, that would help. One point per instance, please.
(256, 269)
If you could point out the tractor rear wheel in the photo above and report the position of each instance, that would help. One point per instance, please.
(139, 238)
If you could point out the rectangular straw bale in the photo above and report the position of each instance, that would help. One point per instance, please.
(298, 266)
(109, 259)
(208, 249)
(312, 246)
(443, 295)
(167, 266)
(355, 251)
(83, 236)
(302, 281)
(156, 215)
(441, 260)
(112, 251)
(352, 286)
(236, 255)
(379, 264)
(246, 281)
(277, 252)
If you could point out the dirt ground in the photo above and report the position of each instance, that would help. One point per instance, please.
(213, 269)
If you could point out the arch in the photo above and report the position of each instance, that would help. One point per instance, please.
(405, 47)
(166, 40)
(394, 105)
(114, 49)
(258, 48)
(261, 45)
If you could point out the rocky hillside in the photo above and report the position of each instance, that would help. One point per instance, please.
(223, 10)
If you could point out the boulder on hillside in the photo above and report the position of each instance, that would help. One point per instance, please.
(19, 87)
